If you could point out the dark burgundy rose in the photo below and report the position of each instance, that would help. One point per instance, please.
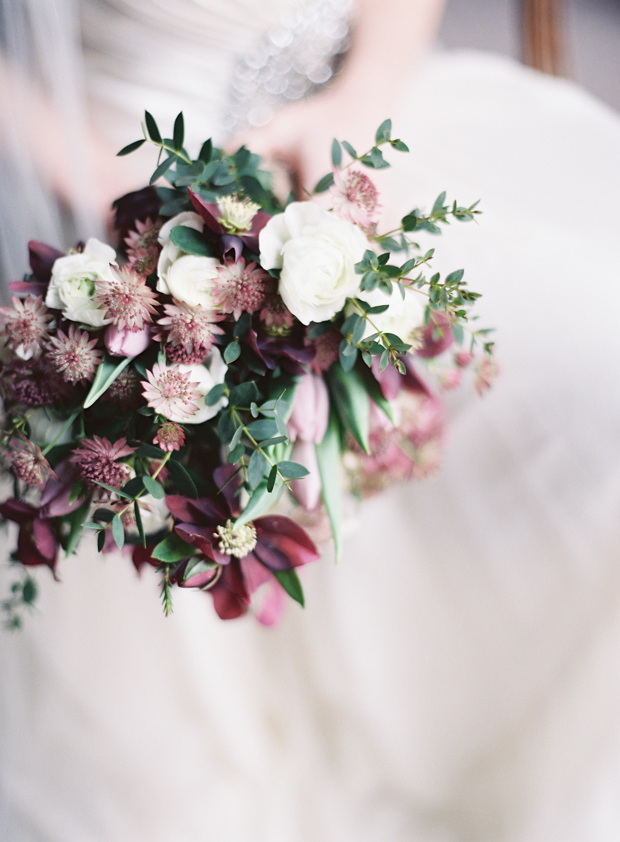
(433, 346)
(37, 543)
(266, 545)
(141, 204)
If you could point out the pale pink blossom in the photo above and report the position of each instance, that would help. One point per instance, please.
(486, 373)
(355, 197)
(25, 325)
(125, 298)
(74, 355)
(240, 288)
(169, 436)
(170, 392)
(189, 332)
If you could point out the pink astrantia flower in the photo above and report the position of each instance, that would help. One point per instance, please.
(240, 288)
(25, 325)
(486, 373)
(28, 462)
(169, 436)
(275, 315)
(34, 382)
(125, 390)
(326, 348)
(189, 333)
(170, 392)
(126, 299)
(97, 460)
(74, 355)
(143, 247)
(355, 197)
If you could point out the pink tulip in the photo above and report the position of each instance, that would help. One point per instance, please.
(126, 342)
(307, 490)
(308, 420)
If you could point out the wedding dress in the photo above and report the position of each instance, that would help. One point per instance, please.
(456, 678)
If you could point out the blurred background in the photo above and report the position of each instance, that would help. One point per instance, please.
(591, 37)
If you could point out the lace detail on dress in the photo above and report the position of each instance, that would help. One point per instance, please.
(289, 62)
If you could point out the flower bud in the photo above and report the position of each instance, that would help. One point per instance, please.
(126, 342)
(308, 420)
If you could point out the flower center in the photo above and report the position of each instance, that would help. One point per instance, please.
(238, 542)
(236, 214)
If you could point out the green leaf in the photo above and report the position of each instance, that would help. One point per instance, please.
(399, 146)
(198, 565)
(336, 153)
(153, 487)
(114, 490)
(151, 127)
(409, 222)
(206, 151)
(182, 479)
(172, 549)
(256, 468)
(29, 591)
(292, 470)
(439, 202)
(226, 427)
(190, 241)
(131, 147)
(260, 499)
(162, 168)
(179, 132)
(215, 394)
(376, 395)
(101, 541)
(150, 451)
(454, 277)
(384, 131)
(236, 453)
(323, 183)
(237, 437)
(328, 455)
(241, 329)
(349, 149)
(231, 352)
(350, 399)
(139, 524)
(107, 372)
(76, 519)
(291, 584)
(262, 428)
(244, 394)
(105, 515)
(118, 532)
(62, 431)
(273, 477)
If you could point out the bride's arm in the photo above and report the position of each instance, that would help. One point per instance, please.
(388, 40)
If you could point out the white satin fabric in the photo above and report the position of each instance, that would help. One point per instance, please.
(457, 677)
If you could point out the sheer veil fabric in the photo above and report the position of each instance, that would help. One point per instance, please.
(457, 677)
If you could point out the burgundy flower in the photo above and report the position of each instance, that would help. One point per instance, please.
(97, 459)
(436, 336)
(247, 556)
(42, 258)
(37, 543)
(34, 382)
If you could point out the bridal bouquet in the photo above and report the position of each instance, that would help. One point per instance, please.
(233, 348)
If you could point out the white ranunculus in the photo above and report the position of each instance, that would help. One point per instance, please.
(404, 317)
(45, 425)
(154, 514)
(206, 375)
(317, 252)
(72, 285)
(186, 277)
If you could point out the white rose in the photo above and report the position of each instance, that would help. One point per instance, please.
(206, 375)
(187, 277)
(403, 317)
(154, 513)
(72, 285)
(317, 252)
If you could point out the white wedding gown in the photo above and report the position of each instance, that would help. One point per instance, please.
(457, 677)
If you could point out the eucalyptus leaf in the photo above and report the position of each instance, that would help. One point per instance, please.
(292, 470)
(131, 147)
(178, 132)
(151, 127)
(76, 519)
(256, 468)
(190, 241)
(118, 532)
(351, 401)
(172, 549)
(182, 479)
(153, 487)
